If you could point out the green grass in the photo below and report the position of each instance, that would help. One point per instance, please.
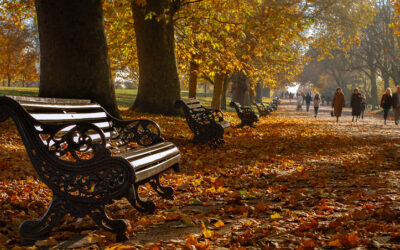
(125, 97)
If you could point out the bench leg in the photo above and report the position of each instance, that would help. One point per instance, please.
(102, 220)
(165, 192)
(33, 230)
(136, 202)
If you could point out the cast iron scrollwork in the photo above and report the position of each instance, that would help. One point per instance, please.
(143, 132)
(81, 141)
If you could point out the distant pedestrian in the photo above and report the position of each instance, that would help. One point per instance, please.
(317, 101)
(363, 105)
(338, 103)
(308, 101)
(299, 101)
(386, 104)
(356, 100)
(303, 96)
(396, 105)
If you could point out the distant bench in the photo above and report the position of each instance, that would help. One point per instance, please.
(206, 124)
(88, 158)
(246, 114)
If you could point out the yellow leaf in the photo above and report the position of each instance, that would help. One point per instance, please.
(208, 233)
(275, 216)
(219, 224)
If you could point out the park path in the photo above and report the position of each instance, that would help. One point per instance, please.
(331, 185)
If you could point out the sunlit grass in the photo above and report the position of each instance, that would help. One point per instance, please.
(125, 97)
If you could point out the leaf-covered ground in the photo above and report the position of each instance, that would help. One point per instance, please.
(292, 182)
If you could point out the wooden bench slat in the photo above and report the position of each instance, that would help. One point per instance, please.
(29, 105)
(135, 154)
(49, 100)
(46, 117)
(156, 169)
(153, 158)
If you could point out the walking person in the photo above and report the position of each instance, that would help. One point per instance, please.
(299, 100)
(396, 105)
(356, 100)
(308, 101)
(317, 101)
(364, 105)
(338, 103)
(386, 104)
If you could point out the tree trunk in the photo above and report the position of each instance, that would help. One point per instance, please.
(73, 52)
(194, 67)
(8, 80)
(386, 81)
(374, 88)
(259, 92)
(159, 86)
(267, 92)
(224, 91)
(218, 86)
(240, 88)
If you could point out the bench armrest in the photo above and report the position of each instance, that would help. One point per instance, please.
(142, 131)
(76, 140)
(247, 109)
(217, 114)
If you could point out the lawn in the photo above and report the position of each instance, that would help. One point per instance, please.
(125, 97)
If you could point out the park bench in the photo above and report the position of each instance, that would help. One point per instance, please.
(246, 114)
(262, 109)
(207, 125)
(88, 158)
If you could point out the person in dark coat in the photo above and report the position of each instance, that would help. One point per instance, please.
(356, 101)
(338, 103)
(386, 104)
(308, 101)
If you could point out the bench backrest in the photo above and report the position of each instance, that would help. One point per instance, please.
(194, 110)
(64, 111)
(191, 105)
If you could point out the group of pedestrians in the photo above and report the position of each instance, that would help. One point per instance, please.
(391, 101)
(358, 104)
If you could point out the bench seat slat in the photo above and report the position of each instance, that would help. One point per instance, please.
(143, 162)
(68, 116)
(135, 154)
(156, 169)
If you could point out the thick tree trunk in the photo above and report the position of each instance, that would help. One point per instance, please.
(374, 88)
(73, 52)
(259, 92)
(218, 86)
(224, 92)
(267, 92)
(194, 67)
(159, 86)
(240, 90)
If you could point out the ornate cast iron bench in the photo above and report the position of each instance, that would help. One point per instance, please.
(207, 125)
(246, 114)
(262, 109)
(88, 159)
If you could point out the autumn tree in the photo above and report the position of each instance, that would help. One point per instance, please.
(18, 54)
(73, 52)
(159, 86)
